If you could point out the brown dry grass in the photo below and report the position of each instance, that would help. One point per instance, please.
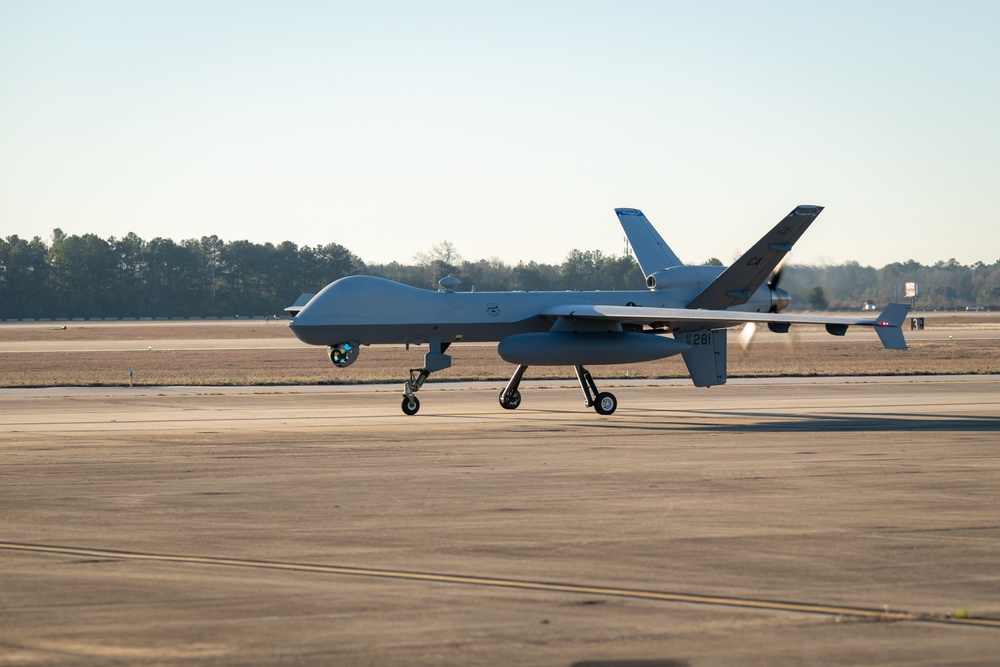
(179, 330)
(309, 365)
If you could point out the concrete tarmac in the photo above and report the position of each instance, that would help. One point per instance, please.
(805, 523)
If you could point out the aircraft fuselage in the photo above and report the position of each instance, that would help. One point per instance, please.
(374, 311)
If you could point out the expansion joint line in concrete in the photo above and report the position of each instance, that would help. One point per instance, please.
(875, 615)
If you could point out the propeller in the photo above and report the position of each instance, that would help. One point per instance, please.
(746, 336)
(779, 297)
(779, 301)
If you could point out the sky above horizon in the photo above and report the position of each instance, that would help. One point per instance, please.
(510, 129)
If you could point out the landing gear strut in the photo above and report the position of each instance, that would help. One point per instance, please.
(604, 403)
(510, 397)
(434, 360)
(410, 401)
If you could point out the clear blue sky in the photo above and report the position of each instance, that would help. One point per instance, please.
(512, 129)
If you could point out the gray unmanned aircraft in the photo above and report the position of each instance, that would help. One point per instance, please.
(695, 305)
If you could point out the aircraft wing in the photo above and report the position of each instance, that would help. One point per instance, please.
(651, 251)
(888, 324)
(735, 285)
(299, 304)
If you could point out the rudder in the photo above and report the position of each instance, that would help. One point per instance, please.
(706, 360)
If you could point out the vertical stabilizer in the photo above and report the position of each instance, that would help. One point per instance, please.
(706, 360)
(736, 285)
(651, 251)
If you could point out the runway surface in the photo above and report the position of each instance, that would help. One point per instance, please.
(758, 523)
(162, 345)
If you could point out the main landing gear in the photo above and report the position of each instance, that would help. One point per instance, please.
(510, 397)
(603, 402)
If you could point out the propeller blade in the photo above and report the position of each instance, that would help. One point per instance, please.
(779, 297)
(792, 338)
(746, 336)
(776, 276)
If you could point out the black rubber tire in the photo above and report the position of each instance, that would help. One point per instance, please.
(605, 403)
(410, 405)
(513, 402)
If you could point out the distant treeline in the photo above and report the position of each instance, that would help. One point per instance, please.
(87, 276)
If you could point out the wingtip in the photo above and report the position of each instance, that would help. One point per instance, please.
(807, 209)
(628, 211)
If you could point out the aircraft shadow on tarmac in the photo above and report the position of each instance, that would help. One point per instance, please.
(632, 663)
(772, 422)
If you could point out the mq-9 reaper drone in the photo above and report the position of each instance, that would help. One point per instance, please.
(686, 310)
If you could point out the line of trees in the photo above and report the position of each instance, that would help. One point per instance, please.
(90, 277)
(944, 285)
(87, 276)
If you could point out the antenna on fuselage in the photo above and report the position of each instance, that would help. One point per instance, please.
(449, 284)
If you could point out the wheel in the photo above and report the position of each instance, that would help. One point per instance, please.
(410, 405)
(606, 403)
(512, 401)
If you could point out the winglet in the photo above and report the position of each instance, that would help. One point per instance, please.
(889, 323)
(651, 251)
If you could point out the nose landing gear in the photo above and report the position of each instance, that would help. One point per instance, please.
(434, 360)
(410, 402)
